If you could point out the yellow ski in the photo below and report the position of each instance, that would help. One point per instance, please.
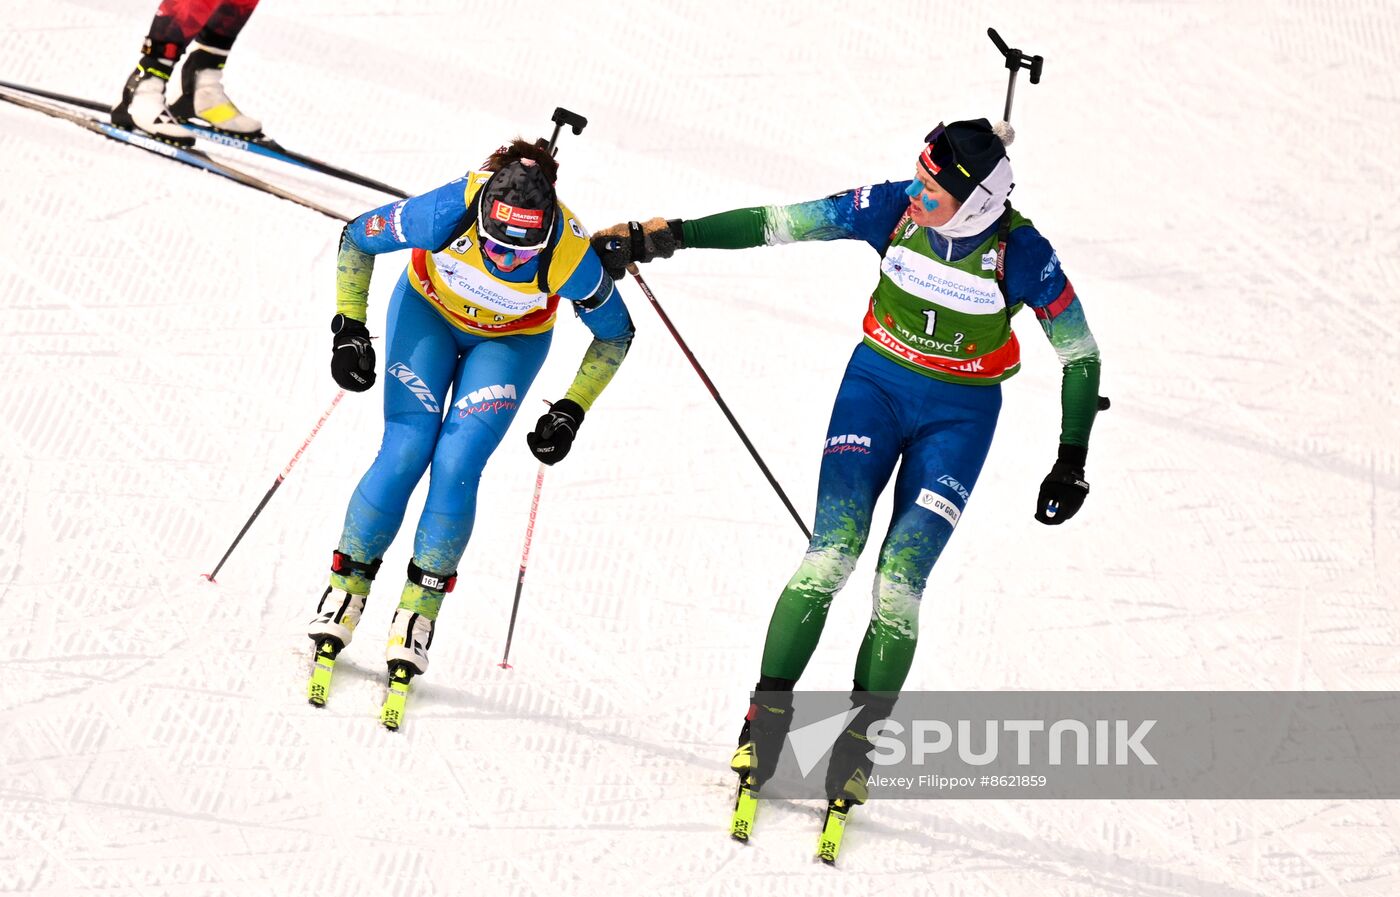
(745, 807)
(392, 713)
(318, 689)
(832, 830)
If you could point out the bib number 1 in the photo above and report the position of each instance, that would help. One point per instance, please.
(932, 322)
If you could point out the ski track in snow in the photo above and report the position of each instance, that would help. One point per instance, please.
(1215, 181)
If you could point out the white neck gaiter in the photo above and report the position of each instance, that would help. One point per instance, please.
(982, 209)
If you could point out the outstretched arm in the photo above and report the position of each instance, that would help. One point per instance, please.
(867, 213)
(836, 217)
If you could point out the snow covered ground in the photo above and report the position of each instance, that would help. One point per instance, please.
(1215, 180)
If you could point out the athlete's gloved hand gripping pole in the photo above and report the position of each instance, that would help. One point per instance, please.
(352, 356)
(621, 248)
(555, 430)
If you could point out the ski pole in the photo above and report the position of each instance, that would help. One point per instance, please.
(576, 124)
(524, 559)
(1015, 61)
(772, 481)
(340, 394)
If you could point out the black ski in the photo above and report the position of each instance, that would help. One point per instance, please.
(60, 97)
(262, 146)
(192, 157)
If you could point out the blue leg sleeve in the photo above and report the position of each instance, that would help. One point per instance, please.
(420, 357)
(491, 382)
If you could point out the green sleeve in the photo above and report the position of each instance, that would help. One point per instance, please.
(352, 273)
(835, 217)
(1079, 401)
(600, 363)
(737, 229)
(1078, 352)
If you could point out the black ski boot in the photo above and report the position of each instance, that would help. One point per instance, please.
(765, 728)
(848, 773)
(142, 107)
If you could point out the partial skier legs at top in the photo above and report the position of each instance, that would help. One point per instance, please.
(212, 25)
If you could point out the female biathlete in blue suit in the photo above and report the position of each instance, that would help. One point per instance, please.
(469, 325)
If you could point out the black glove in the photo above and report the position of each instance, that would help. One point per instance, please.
(554, 431)
(1063, 492)
(637, 242)
(352, 357)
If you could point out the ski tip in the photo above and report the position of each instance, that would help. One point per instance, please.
(745, 807)
(833, 831)
(318, 692)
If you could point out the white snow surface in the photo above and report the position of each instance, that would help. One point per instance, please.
(1214, 177)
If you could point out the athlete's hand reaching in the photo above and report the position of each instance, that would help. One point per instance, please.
(637, 242)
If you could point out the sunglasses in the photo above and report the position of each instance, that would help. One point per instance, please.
(506, 256)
